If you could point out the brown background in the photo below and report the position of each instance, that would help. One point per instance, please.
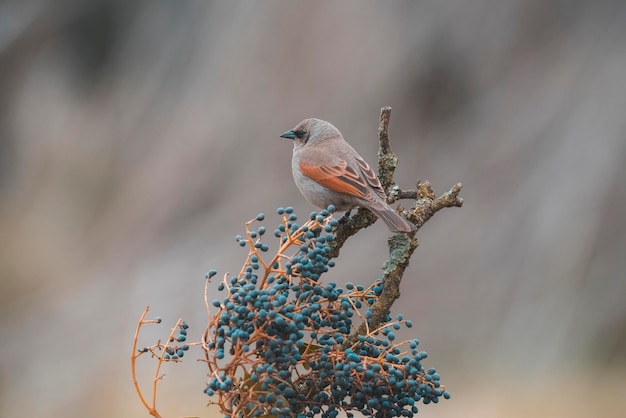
(135, 141)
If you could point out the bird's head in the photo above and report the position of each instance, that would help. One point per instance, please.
(311, 131)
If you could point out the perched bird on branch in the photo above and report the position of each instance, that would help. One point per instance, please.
(328, 171)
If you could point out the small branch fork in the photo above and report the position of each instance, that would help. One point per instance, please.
(151, 407)
(157, 351)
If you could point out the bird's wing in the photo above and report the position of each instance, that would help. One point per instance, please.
(371, 177)
(334, 173)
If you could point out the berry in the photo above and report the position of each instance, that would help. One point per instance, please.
(278, 318)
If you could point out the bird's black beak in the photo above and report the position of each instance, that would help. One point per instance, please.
(289, 134)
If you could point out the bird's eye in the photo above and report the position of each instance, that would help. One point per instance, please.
(300, 133)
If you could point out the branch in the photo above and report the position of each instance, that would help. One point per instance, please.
(426, 205)
(401, 248)
(401, 245)
(387, 161)
(136, 354)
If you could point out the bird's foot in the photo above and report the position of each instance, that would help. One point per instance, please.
(346, 218)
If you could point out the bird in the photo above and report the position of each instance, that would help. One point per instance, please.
(328, 171)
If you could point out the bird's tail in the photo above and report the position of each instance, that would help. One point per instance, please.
(392, 219)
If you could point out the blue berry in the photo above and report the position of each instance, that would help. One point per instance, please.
(296, 319)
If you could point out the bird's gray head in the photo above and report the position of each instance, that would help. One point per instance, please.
(311, 131)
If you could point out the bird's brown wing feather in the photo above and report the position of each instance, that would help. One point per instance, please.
(334, 173)
(371, 177)
(339, 177)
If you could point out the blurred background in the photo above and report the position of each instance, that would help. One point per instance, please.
(137, 138)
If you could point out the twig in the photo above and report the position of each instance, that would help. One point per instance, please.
(401, 247)
(151, 408)
(387, 161)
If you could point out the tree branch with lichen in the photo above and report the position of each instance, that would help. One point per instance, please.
(401, 245)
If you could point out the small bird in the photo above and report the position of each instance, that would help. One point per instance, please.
(328, 171)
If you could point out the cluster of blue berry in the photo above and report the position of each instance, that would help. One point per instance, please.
(279, 342)
(175, 352)
(169, 351)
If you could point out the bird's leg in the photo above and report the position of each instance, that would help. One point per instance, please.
(346, 216)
